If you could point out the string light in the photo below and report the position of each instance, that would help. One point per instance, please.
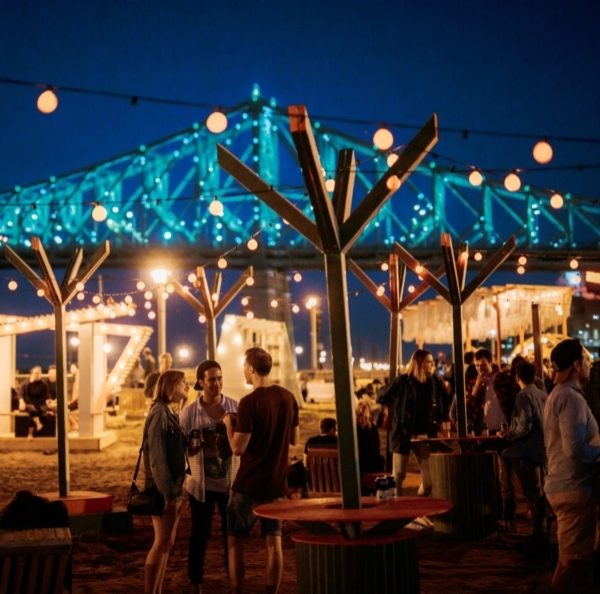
(250, 315)
(522, 260)
(249, 281)
(393, 183)
(411, 288)
(297, 277)
(383, 139)
(391, 159)
(148, 304)
(252, 244)
(96, 299)
(80, 286)
(216, 208)
(574, 264)
(47, 102)
(385, 266)
(222, 263)
(512, 182)
(216, 122)
(274, 303)
(140, 286)
(520, 269)
(542, 152)
(151, 315)
(40, 292)
(295, 308)
(330, 185)
(148, 295)
(244, 301)
(556, 201)
(202, 318)
(475, 178)
(80, 296)
(380, 291)
(99, 213)
(13, 285)
(477, 256)
(192, 278)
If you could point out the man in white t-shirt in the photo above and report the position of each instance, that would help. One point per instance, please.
(211, 462)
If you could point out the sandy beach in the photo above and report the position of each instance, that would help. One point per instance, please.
(113, 564)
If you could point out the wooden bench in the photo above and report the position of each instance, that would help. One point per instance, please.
(323, 471)
(35, 561)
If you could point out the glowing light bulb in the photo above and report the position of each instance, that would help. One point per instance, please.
(385, 266)
(128, 299)
(478, 256)
(99, 213)
(96, 299)
(512, 182)
(12, 285)
(393, 183)
(542, 152)
(391, 159)
(80, 286)
(556, 200)
(252, 244)
(330, 185)
(202, 319)
(148, 304)
(297, 277)
(40, 292)
(80, 296)
(215, 208)
(475, 178)
(148, 295)
(47, 102)
(380, 290)
(151, 315)
(222, 263)
(411, 288)
(520, 269)
(249, 281)
(574, 264)
(140, 286)
(274, 303)
(295, 308)
(522, 260)
(244, 301)
(216, 122)
(192, 278)
(383, 139)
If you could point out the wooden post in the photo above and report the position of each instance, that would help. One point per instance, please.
(537, 339)
(59, 297)
(333, 232)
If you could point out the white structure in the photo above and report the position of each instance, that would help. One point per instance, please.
(239, 333)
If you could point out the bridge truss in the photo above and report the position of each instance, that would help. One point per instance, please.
(158, 197)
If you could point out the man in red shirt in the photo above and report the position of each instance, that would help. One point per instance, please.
(265, 426)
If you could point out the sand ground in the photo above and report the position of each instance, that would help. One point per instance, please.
(114, 564)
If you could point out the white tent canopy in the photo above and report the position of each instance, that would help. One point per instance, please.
(430, 322)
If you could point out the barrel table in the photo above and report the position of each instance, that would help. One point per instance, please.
(355, 550)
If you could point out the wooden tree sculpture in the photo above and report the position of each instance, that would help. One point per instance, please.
(333, 232)
(210, 305)
(394, 303)
(59, 297)
(456, 294)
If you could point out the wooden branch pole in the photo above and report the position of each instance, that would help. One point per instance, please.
(59, 297)
(208, 307)
(334, 232)
(537, 339)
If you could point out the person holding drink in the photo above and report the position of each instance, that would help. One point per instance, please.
(212, 464)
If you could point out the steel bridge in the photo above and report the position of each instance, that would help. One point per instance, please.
(157, 197)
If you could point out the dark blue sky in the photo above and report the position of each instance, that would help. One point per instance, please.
(528, 66)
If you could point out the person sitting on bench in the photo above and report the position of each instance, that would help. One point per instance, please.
(34, 392)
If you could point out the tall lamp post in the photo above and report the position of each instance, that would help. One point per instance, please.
(160, 276)
(312, 304)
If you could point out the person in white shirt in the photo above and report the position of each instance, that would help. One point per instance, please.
(211, 461)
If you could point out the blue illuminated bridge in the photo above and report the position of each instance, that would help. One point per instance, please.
(157, 197)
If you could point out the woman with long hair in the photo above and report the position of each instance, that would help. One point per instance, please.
(369, 455)
(415, 402)
(165, 467)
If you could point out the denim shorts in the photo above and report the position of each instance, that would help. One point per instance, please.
(241, 517)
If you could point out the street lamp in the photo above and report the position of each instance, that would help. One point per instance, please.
(312, 304)
(160, 276)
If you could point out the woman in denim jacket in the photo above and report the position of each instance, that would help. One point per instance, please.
(164, 463)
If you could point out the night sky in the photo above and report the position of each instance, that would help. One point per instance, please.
(524, 67)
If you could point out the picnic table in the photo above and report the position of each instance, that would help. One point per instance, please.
(355, 550)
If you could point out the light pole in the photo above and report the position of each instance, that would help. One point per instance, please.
(312, 304)
(160, 276)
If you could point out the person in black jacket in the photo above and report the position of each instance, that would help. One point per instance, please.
(415, 402)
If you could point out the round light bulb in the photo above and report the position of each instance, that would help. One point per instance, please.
(380, 290)
(411, 288)
(574, 264)
(80, 296)
(520, 269)
(478, 256)
(522, 260)
(385, 266)
(148, 295)
(297, 277)
(556, 200)
(215, 208)
(250, 315)
(12, 285)
(244, 301)
(80, 286)
(96, 299)
(202, 319)
(128, 299)
(140, 286)
(274, 303)
(295, 308)
(249, 281)
(475, 178)
(512, 182)
(47, 102)
(148, 304)
(216, 122)
(393, 183)
(330, 185)
(40, 292)
(192, 278)
(99, 213)
(383, 139)
(222, 263)
(391, 159)
(151, 315)
(252, 244)
(542, 152)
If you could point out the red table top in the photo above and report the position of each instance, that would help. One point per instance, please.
(329, 509)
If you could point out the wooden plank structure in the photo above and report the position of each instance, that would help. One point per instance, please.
(35, 561)
(59, 297)
(334, 231)
(322, 465)
(211, 305)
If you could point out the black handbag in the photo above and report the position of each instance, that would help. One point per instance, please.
(148, 502)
